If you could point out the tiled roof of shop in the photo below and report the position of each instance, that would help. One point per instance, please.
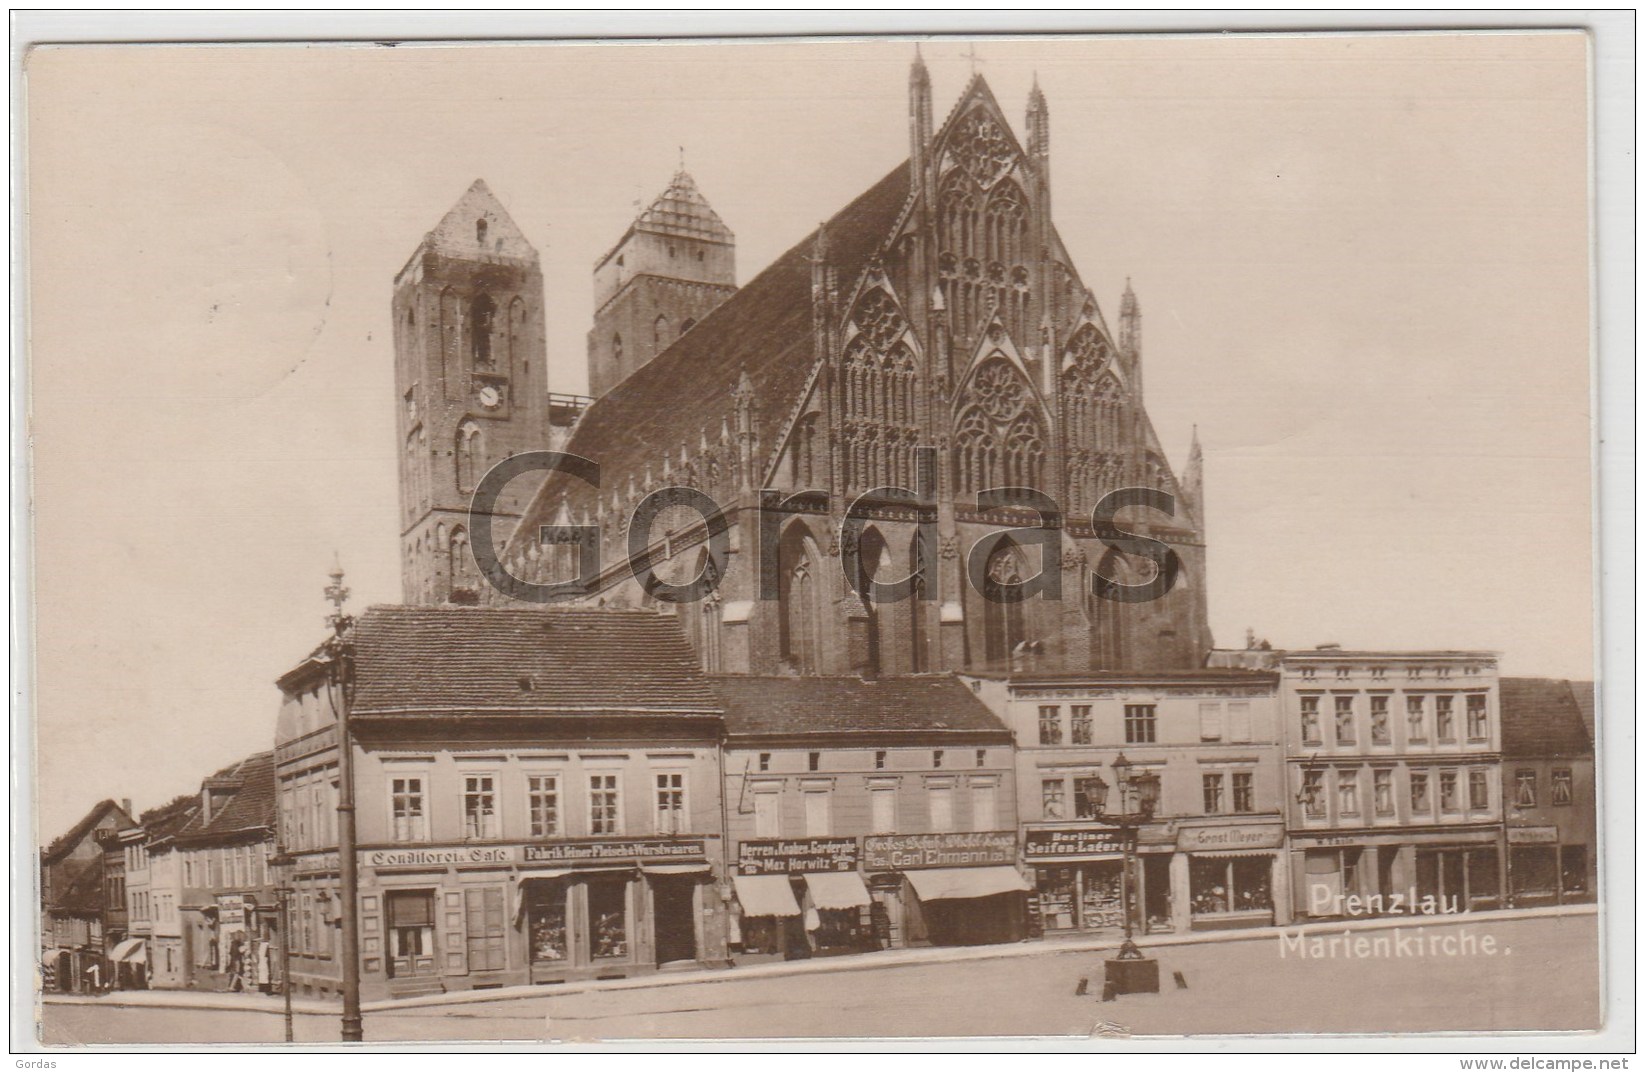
(479, 659)
(249, 810)
(788, 705)
(763, 331)
(1541, 718)
(166, 820)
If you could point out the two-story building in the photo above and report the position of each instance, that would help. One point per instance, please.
(537, 796)
(865, 813)
(1393, 769)
(1548, 792)
(1209, 854)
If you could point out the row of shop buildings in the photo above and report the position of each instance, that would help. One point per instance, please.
(546, 795)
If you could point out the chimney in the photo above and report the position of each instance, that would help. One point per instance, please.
(125, 805)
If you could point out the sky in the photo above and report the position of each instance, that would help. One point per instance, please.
(1363, 264)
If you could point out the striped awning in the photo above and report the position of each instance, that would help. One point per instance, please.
(765, 896)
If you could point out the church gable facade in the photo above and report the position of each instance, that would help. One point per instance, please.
(930, 342)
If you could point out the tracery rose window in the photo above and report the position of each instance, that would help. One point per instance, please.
(998, 390)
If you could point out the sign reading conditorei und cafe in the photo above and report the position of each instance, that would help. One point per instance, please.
(603, 851)
(1062, 843)
(956, 849)
(782, 856)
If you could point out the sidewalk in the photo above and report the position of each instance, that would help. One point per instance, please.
(879, 959)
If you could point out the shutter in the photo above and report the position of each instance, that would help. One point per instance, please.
(453, 937)
(1210, 721)
(1239, 721)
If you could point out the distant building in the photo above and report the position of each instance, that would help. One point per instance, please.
(72, 899)
(538, 800)
(153, 893)
(1548, 792)
(1393, 781)
(1210, 854)
(867, 813)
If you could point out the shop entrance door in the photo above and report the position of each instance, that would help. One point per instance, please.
(411, 933)
(1156, 892)
(676, 919)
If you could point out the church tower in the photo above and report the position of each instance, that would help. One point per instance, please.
(676, 262)
(471, 376)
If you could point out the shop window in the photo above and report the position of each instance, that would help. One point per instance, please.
(1210, 721)
(767, 814)
(608, 918)
(1573, 864)
(1239, 721)
(1050, 724)
(1533, 871)
(1081, 896)
(487, 951)
(1141, 724)
(543, 800)
(1348, 793)
(1562, 786)
(1380, 734)
(882, 802)
(1477, 730)
(547, 912)
(480, 806)
(1345, 720)
(1382, 789)
(1444, 723)
(410, 816)
(1310, 720)
(1419, 794)
(941, 799)
(1080, 727)
(1244, 791)
(1479, 790)
(1416, 715)
(817, 813)
(1090, 795)
(410, 926)
(985, 807)
(604, 805)
(1211, 785)
(671, 803)
(1234, 885)
(1449, 799)
(1052, 803)
(1313, 795)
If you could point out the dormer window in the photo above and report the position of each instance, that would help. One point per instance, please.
(480, 231)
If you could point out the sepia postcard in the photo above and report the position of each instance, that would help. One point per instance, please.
(1070, 537)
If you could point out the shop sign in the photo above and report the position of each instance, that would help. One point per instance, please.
(1197, 839)
(1533, 836)
(390, 858)
(626, 849)
(1321, 841)
(231, 910)
(780, 856)
(1061, 843)
(960, 849)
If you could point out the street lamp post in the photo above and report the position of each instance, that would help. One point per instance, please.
(1129, 970)
(282, 863)
(339, 650)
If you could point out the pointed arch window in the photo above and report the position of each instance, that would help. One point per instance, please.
(617, 349)
(1002, 619)
(879, 380)
(470, 452)
(918, 658)
(460, 562)
(659, 333)
(873, 563)
(999, 437)
(482, 316)
(800, 624)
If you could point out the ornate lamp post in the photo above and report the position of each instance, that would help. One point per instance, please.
(339, 650)
(1129, 970)
(282, 863)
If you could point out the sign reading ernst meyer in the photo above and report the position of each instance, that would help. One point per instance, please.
(777, 856)
(1054, 843)
(637, 849)
(1253, 836)
(957, 849)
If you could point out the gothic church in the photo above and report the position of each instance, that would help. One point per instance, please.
(938, 309)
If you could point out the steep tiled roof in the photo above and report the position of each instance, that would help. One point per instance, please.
(682, 210)
(479, 659)
(165, 821)
(790, 706)
(66, 842)
(84, 894)
(250, 810)
(1584, 694)
(1540, 718)
(763, 330)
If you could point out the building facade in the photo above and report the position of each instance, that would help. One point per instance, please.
(1393, 781)
(72, 900)
(1208, 856)
(1548, 793)
(867, 814)
(537, 794)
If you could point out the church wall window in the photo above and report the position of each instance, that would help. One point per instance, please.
(470, 452)
(659, 332)
(800, 623)
(999, 435)
(480, 231)
(482, 322)
(1002, 620)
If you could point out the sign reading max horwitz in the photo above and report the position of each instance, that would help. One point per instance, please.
(958, 849)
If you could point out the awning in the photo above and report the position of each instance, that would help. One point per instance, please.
(1231, 854)
(932, 884)
(836, 890)
(673, 869)
(765, 896)
(133, 950)
(49, 958)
